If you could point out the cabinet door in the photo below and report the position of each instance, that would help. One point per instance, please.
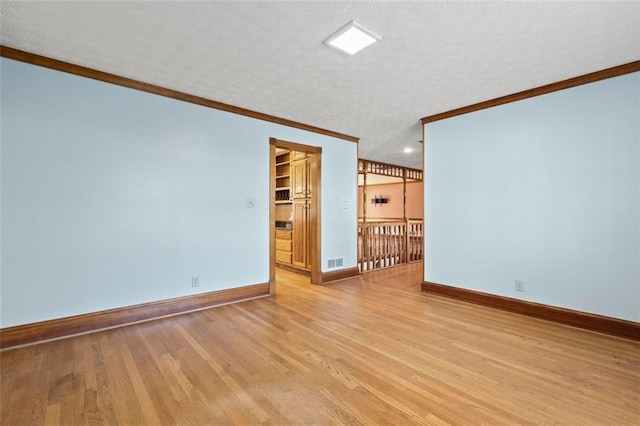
(312, 174)
(300, 249)
(299, 179)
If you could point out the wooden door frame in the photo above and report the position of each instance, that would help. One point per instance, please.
(315, 238)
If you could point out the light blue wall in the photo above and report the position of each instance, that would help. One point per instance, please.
(113, 197)
(545, 190)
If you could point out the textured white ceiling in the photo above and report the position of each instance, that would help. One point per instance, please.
(269, 56)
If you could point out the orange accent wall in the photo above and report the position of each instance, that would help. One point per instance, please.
(393, 209)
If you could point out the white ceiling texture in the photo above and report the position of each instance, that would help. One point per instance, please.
(269, 56)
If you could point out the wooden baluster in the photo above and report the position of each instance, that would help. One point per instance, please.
(405, 255)
(381, 246)
(368, 247)
(393, 251)
(385, 244)
(377, 262)
(387, 240)
(360, 249)
(399, 243)
(421, 225)
(371, 247)
(397, 247)
(390, 245)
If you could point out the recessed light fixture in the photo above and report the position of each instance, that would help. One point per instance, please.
(351, 38)
(408, 150)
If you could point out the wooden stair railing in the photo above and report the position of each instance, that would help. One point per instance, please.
(389, 243)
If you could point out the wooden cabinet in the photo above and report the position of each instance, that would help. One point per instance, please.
(303, 173)
(283, 206)
(301, 180)
(283, 177)
(296, 173)
(283, 246)
(300, 247)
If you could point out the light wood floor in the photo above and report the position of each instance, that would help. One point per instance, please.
(369, 350)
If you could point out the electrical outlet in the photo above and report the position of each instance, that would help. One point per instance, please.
(519, 285)
(195, 281)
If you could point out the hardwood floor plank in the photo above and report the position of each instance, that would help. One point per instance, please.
(240, 396)
(53, 415)
(147, 405)
(372, 349)
(96, 379)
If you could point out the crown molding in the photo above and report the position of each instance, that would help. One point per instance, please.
(54, 64)
(542, 90)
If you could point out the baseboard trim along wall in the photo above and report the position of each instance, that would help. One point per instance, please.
(340, 275)
(95, 321)
(608, 325)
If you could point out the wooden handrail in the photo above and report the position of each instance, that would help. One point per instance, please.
(386, 169)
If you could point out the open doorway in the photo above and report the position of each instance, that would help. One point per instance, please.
(390, 229)
(294, 213)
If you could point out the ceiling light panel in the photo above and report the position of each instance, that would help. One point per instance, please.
(351, 38)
